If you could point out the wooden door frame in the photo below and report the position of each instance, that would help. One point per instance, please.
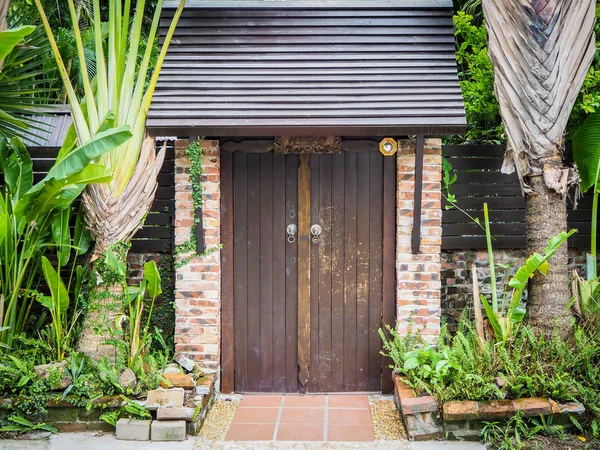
(227, 297)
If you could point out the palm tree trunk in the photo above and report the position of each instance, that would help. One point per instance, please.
(546, 216)
(541, 53)
(113, 221)
(104, 307)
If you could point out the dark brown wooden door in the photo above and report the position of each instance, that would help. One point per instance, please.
(347, 266)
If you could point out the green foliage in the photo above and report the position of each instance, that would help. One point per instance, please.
(504, 318)
(19, 424)
(23, 80)
(588, 100)
(32, 218)
(477, 83)
(186, 251)
(586, 153)
(138, 333)
(129, 409)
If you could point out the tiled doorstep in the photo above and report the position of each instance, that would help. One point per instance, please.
(333, 418)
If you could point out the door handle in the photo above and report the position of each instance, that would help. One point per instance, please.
(292, 229)
(316, 231)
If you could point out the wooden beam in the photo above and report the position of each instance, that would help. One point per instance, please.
(418, 197)
(303, 269)
(227, 324)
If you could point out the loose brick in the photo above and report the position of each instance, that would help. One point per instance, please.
(183, 413)
(168, 430)
(466, 410)
(177, 380)
(166, 397)
(133, 430)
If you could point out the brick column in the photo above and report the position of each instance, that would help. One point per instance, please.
(418, 275)
(198, 283)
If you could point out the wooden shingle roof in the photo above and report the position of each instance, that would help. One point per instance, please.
(330, 67)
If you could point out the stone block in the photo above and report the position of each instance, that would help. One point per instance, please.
(496, 409)
(182, 413)
(45, 370)
(533, 406)
(165, 397)
(466, 410)
(133, 430)
(62, 414)
(168, 430)
(177, 380)
(185, 362)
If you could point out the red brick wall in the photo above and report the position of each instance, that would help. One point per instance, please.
(418, 275)
(198, 283)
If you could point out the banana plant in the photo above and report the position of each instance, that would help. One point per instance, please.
(504, 318)
(28, 211)
(58, 302)
(586, 153)
(139, 339)
(117, 210)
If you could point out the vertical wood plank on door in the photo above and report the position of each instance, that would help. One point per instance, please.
(240, 271)
(350, 344)
(304, 282)
(375, 268)
(254, 266)
(227, 320)
(324, 274)
(313, 385)
(363, 223)
(337, 272)
(279, 265)
(291, 276)
(266, 271)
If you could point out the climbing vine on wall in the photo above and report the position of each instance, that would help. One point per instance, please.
(186, 251)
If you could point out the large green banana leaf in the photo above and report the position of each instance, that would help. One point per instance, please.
(59, 194)
(10, 38)
(77, 159)
(586, 151)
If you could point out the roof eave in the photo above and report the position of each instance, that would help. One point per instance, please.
(311, 4)
(366, 130)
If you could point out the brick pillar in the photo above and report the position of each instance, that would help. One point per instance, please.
(198, 283)
(418, 276)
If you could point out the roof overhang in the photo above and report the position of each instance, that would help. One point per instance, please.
(331, 67)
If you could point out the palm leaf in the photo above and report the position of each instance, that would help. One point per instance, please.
(586, 151)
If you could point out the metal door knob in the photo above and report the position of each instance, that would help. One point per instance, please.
(291, 230)
(315, 230)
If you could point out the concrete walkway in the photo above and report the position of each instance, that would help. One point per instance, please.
(101, 441)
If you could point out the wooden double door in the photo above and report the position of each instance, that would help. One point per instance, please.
(312, 271)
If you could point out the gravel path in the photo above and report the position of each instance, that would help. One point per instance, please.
(387, 425)
(218, 420)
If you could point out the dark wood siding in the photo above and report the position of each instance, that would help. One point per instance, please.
(479, 180)
(309, 68)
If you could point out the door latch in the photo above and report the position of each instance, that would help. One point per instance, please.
(292, 229)
(315, 230)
